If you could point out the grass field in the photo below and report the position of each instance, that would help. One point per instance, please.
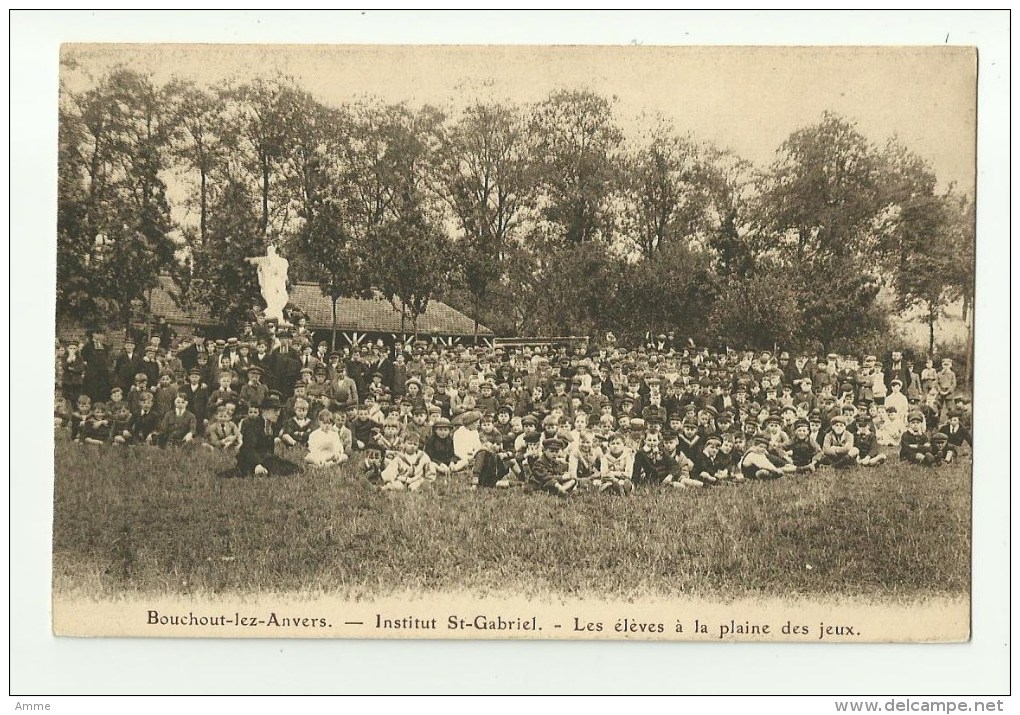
(149, 521)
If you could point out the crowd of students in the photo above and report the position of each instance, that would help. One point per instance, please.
(551, 418)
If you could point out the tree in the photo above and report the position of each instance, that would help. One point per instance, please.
(938, 258)
(413, 262)
(674, 290)
(486, 180)
(198, 138)
(577, 145)
(337, 261)
(571, 290)
(825, 191)
(114, 221)
(264, 115)
(221, 280)
(732, 237)
(823, 204)
(838, 301)
(667, 191)
(757, 311)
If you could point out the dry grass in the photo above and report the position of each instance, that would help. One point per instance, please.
(144, 520)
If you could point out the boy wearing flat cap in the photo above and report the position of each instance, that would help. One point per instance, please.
(915, 446)
(866, 441)
(838, 448)
(254, 392)
(802, 449)
(549, 473)
(756, 462)
(712, 466)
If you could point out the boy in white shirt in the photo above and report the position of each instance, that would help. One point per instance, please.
(324, 444)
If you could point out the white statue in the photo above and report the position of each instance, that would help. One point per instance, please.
(272, 270)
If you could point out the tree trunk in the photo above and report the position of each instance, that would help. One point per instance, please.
(203, 209)
(403, 321)
(932, 315)
(265, 199)
(333, 339)
(477, 301)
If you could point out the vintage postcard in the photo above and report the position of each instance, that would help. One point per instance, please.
(513, 342)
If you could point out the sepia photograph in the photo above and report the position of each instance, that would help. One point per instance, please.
(514, 342)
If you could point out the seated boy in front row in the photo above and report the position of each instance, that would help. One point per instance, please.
(96, 428)
(915, 446)
(325, 444)
(616, 467)
(548, 473)
(757, 464)
(710, 465)
(221, 432)
(410, 467)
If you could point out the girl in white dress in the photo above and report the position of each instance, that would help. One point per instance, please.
(324, 444)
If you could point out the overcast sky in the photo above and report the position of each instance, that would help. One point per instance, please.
(746, 99)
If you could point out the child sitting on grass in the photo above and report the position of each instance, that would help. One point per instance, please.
(838, 448)
(653, 466)
(80, 414)
(178, 426)
(61, 410)
(616, 467)
(710, 467)
(756, 463)
(410, 468)
(439, 447)
(96, 428)
(325, 446)
(297, 429)
(120, 427)
(382, 448)
(867, 444)
(222, 433)
(803, 451)
(915, 446)
(548, 473)
(582, 463)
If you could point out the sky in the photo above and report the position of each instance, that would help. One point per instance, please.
(748, 99)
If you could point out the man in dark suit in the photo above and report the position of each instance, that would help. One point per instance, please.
(126, 365)
(957, 435)
(896, 368)
(189, 355)
(287, 369)
(97, 378)
(257, 456)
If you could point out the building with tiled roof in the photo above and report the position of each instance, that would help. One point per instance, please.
(358, 319)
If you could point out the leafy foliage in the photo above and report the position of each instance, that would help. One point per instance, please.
(222, 280)
(531, 219)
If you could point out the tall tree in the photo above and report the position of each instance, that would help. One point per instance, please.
(337, 261)
(221, 279)
(757, 311)
(198, 138)
(938, 258)
(667, 191)
(487, 182)
(824, 191)
(577, 150)
(414, 262)
(823, 203)
(264, 116)
(674, 290)
(114, 232)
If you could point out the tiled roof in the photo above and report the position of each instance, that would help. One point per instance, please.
(375, 315)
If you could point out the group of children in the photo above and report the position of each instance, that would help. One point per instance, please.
(603, 420)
